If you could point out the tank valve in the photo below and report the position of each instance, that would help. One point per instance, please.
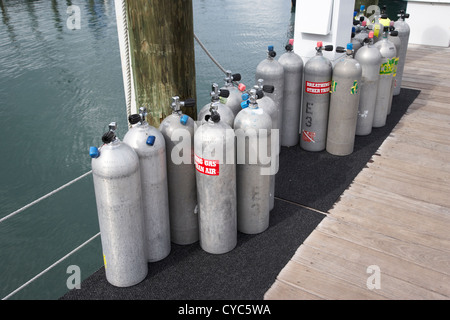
(177, 104)
(271, 52)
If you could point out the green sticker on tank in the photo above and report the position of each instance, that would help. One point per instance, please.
(333, 86)
(354, 88)
(388, 66)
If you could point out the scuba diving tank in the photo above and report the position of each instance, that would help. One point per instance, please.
(214, 148)
(265, 103)
(393, 37)
(316, 100)
(369, 58)
(273, 72)
(292, 95)
(403, 33)
(226, 114)
(181, 173)
(150, 146)
(117, 185)
(344, 103)
(388, 53)
(252, 128)
(235, 97)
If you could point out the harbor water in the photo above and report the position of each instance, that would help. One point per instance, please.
(60, 86)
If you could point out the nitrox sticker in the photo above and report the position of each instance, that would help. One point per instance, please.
(208, 167)
(333, 86)
(354, 88)
(388, 66)
(317, 87)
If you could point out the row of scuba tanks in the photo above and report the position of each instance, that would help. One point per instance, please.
(193, 181)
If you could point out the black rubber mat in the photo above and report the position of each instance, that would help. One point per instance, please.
(189, 273)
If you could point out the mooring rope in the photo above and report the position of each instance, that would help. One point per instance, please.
(50, 267)
(127, 57)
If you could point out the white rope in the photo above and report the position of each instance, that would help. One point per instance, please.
(127, 57)
(50, 267)
(44, 197)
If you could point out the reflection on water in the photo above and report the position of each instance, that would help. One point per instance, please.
(59, 89)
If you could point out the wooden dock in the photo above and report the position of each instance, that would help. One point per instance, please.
(388, 237)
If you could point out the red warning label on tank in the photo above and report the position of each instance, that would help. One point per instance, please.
(317, 87)
(208, 167)
(308, 136)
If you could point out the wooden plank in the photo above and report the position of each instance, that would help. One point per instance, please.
(415, 253)
(393, 202)
(427, 140)
(363, 206)
(389, 265)
(281, 290)
(356, 273)
(322, 284)
(422, 156)
(390, 225)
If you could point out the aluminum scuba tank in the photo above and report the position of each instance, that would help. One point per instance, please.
(265, 103)
(292, 95)
(344, 103)
(370, 59)
(214, 148)
(403, 33)
(316, 100)
(181, 173)
(226, 114)
(235, 97)
(117, 184)
(150, 146)
(388, 53)
(253, 128)
(273, 72)
(393, 37)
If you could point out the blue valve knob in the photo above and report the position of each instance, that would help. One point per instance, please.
(245, 96)
(184, 119)
(94, 152)
(150, 140)
(244, 104)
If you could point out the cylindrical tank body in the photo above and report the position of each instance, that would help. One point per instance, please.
(388, 53)
(369, 58)
(403, 33)
(272, 72)
(235, 97)
(226, 114)
(214, 148)
(268, 105)
(117, 185)
(292, 95)
(178, 132)
(316, 101)
(344, 103)
(393, 37)
(252, 128)
(150, 146)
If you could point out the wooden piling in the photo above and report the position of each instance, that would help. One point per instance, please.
(161, 36)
